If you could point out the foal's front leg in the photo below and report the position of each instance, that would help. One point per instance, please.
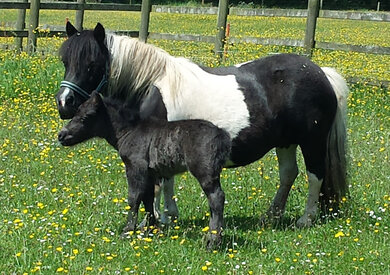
(139, 187)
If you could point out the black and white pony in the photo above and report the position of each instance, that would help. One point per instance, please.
(153, 149)
(280, 101)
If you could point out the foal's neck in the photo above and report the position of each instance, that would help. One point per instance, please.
(117, 122)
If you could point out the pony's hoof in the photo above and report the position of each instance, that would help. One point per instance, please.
(213, 241)
(167, 219)
(304, 221)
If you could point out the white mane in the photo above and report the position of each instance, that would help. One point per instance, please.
(135, 66)
(188, 91)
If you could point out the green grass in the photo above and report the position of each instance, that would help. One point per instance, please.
(62, 209)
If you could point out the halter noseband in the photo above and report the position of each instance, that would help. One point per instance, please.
(80, 90)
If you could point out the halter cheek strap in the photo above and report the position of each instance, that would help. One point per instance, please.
(80, 90)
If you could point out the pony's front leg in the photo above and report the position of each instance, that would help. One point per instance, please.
(171, 212)
(157, 200)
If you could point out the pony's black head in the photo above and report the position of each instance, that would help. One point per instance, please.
(88, 122)
(86, 60)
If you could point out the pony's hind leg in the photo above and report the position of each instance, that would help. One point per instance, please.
(314, 155)
(311, 208)
(288, 171)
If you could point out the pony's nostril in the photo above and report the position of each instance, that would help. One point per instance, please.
(70, 100)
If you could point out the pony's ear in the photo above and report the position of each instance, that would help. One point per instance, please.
(70, 29)
(99, 33)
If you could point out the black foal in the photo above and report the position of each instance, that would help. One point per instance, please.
(152, 149)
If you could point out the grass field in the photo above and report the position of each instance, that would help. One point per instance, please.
(62, 208)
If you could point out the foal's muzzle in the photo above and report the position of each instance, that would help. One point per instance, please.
(64, 137)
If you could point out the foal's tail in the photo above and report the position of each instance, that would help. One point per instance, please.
(335, 186)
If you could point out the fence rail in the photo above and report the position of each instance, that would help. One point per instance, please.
(72, 6)
(309, 43)
(350, 15)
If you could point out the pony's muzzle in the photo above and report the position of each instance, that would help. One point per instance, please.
(66, 103)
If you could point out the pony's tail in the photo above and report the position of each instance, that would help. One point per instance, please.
(335, 187)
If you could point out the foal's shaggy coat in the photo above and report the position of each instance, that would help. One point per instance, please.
(152, 149)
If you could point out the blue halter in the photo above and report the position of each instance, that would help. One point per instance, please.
(80, 90)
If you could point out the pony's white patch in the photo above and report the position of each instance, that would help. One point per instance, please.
(62, 99)
(201, 95)
(188, 91)
(241, 64)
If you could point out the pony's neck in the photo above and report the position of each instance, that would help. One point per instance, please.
(134, 66)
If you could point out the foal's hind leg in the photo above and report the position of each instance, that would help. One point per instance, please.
(216, 199)
(209, 180)
(288, 171)
(314, 155)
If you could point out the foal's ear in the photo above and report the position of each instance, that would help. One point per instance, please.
(96, 99)
(70, 29)
(99, 33)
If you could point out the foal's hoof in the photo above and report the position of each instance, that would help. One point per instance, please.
(213, 241)
(127, 231)
(269, 218)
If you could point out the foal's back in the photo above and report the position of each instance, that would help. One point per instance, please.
(177, 146)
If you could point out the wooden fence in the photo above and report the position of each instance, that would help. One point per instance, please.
(312, 13)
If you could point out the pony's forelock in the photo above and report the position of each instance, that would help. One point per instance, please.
(80, 45)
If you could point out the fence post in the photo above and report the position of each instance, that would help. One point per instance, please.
(311, 21)
(32, 26)
(145, 16)
(80, 16)
(223, 11)
(20, 26)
